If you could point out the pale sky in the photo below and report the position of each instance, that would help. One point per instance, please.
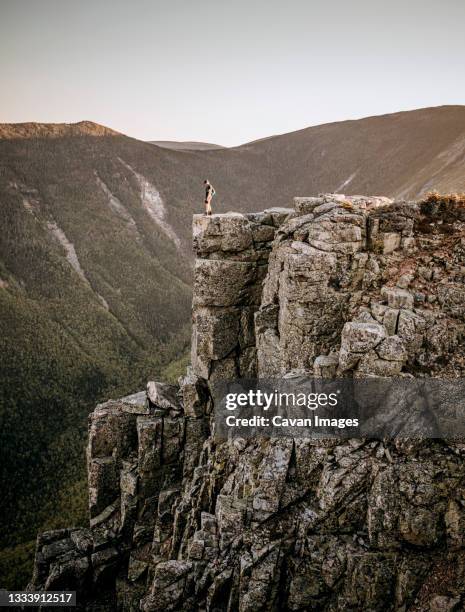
(226, 71)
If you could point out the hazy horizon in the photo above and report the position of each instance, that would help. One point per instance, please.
(226, 74)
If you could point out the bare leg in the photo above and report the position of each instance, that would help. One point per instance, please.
(208, 206)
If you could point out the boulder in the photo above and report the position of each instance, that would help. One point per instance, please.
(397, 297)
(325, 366)
(362, 337)
(164, 396)
(223, 233)
(392, 349)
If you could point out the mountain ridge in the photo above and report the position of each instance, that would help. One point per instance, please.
(186, 145)
(32, 129)
(96, 261)
(89, 127)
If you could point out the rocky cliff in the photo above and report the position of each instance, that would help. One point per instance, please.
(180, 520)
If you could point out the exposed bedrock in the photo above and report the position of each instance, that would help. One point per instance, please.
(336, 286)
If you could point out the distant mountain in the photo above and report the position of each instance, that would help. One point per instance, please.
(53, 130)
(402, 155)
(95, 262)
(185, 146)
(399, 155)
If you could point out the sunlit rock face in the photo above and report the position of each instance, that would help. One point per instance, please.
(335, 286)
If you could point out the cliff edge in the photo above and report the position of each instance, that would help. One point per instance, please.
(347, 286)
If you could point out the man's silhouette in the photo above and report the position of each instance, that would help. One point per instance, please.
(209, 193)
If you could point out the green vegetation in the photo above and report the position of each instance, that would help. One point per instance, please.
(62, 349)
(16, 565)
(176, 369)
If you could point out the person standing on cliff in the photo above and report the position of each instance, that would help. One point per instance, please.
(209, 193)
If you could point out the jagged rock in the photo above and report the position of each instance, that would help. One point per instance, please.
(136, 403)
(391, 242)
(451, 296)
(263, 218)
(279, 214)
(370, 365)
(357, 340)
(170, 586)
(221, 282)
(390, 320)
(455, 524)
(71, 574)
(57, 548)
(129, 481)
(225, 369)
(112, 431)
(304, 206)
(103, 484)
(195, 395)
(268, 353)
(136, 569)
(164, 396)
(150, 434)
(404, 281)
(369, 582)
(229, 517)
(182, 520)
(378, 311)
(82, 540)
(392, 349)
(104, 563)
(217, 332)
(230, 232)
(325, 366)
(362, 337)
(397, 298)
(197, 432)
(263, 233)
(411, 327)
(247, 363)
(442, 603)
(106, 514)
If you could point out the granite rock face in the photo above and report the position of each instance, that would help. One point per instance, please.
(232, 261)
(347, 286)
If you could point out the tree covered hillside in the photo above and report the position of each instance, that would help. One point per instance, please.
(94, 300)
